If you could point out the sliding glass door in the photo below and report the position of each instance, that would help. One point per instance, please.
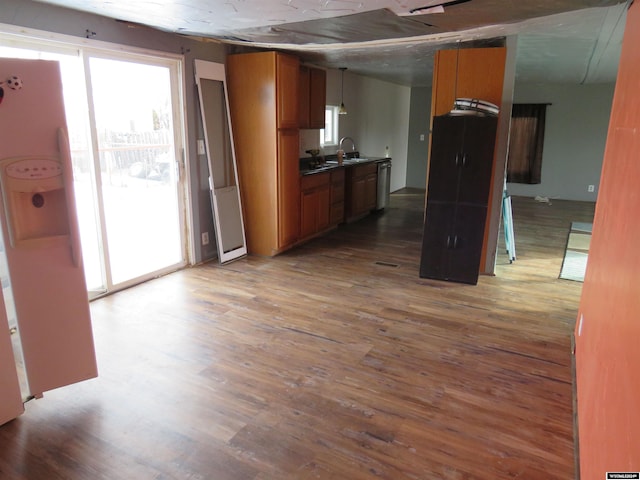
(125, 128)
(137, 167)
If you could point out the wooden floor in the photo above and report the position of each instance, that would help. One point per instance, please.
(333, 361)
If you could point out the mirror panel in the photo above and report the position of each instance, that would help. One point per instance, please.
(223, 178)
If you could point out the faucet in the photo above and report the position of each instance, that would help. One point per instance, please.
(353, 144)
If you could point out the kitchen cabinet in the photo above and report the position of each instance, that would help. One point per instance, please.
(315, 193)
(317, 97)
(304, 94)
(361, 190)
(263, 103)
(288, 188)
(313, 95)
(336, 214)
(457, 197)
(287, 71)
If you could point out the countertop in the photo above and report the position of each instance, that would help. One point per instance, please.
(332, 163)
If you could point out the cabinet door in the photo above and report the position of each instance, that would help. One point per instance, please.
(309, 212)
(465, 246)
(317, 97)
(288, 188)
(337, 195)
(358, 196)
(452, 242)
(370, 191)
(446, 148)
(337, 185)
(476, 165)
(304, 97)
(436, 240)
(324, 206)
(287, 72)
(336, 215)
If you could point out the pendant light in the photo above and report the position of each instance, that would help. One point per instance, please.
(343, 109)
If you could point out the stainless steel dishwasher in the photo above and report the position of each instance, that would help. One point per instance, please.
(384, 184)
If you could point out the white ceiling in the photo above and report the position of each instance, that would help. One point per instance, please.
(568, 41)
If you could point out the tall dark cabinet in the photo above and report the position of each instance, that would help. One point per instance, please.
(460, 170)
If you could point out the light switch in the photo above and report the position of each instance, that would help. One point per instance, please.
(200, 143)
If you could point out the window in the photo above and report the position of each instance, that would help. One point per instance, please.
(329, 134)
(524, 164)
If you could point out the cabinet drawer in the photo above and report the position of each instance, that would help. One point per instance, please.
(316, 180)
(366, 169)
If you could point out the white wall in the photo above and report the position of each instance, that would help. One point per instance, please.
(575, 136)
(378, 116)
(418, 139)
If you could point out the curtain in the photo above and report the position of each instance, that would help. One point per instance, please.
(524, 163)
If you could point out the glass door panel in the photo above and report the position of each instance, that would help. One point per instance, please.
(125, 132)
(137, 161)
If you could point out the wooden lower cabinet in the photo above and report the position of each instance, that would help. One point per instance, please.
(336, 212)
(361, 190)
(315, 193)
(324, 196)
(371, 190)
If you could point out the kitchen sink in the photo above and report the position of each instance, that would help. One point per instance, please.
(348, 161)
(355, 160)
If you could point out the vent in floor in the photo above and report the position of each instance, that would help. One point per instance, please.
(387, 264)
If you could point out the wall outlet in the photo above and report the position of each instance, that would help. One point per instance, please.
(422, 137)
(591, 188)
(205, 238)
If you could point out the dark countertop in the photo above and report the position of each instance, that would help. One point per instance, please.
(331, 163)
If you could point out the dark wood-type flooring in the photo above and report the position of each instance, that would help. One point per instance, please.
(332, 361)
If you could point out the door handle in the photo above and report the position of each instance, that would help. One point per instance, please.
(448, 241)
(455, 241)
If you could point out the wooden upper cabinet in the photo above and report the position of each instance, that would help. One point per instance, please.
(313, 97)
(317, 97)
(304, 93)
(287, 78)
